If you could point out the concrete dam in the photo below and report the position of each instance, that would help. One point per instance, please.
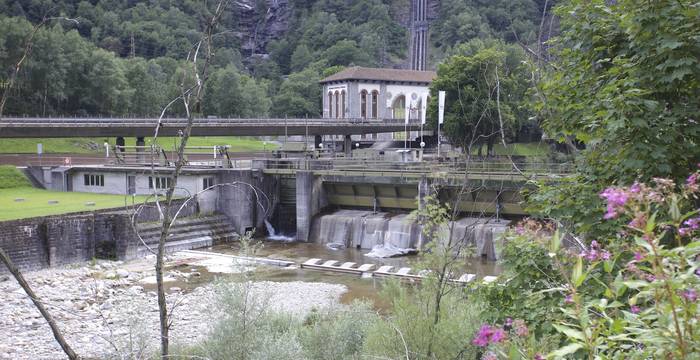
(350, 204)
(363, 210)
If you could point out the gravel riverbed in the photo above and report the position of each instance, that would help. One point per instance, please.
(109, 308)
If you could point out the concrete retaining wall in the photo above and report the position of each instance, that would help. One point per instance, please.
(247, 206)
(41, 242)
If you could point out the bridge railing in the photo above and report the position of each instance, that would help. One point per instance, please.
(87, 121)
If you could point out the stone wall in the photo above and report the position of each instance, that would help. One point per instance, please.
(41, 242)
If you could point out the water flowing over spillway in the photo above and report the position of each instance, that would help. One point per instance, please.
(366, 229)
(274, 236)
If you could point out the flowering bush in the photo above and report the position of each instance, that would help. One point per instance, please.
(630, 296)
(649, 309)
(512, 340)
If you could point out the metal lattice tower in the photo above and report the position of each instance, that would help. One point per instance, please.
(419, 35)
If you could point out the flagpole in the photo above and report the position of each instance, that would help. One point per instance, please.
(441, 117)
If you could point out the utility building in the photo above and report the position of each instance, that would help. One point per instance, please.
(369, 93)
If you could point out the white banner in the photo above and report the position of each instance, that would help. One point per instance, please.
(441, 107)
(424, 107)
(407, 110)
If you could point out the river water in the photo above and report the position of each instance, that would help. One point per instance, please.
(367, 289)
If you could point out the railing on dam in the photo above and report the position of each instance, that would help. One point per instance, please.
(483, 169)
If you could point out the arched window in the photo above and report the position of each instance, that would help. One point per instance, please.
(363, 104)
(399, 107)
(375, 101)
(342, 104)
(330, 104)
(337, 105)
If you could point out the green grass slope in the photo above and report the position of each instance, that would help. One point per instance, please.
(11, 177)
(96, 145)
(19, 200)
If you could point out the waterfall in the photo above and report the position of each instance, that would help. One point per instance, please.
(272, 234)
(384, 231)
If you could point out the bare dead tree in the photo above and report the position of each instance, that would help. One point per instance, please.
(192, 101)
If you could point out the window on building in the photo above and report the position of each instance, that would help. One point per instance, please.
(207, 182)
(363, 104)
(337, 104)
(330, 104)
(160, 182)
(342, 104)
(93, 180)
(375, 101)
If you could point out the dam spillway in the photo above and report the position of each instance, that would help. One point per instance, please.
(365, 229)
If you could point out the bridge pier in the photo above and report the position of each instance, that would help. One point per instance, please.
(140, 157)
(120, 143)
(347, 146)
(310, 200)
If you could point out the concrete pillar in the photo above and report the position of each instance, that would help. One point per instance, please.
(423, 191)
(238, 202)
(310, 200)
(347, 146)
(120, 143)
(141, 157)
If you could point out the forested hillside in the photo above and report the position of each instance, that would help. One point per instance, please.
(122, 57)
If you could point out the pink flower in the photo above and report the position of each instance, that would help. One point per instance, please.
(651, 278)
(487, 335)
(692, 182)
(520, 328)
(638, 256)
(691, 295)
(635, 309)
(605, 255)
(508, 322)
(615, 196)
(538, 357)
(483, 335)
(498, 335)
(569, 299)
(635, 188)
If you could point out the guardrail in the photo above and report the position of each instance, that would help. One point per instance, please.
(453, 167)
(206, 121)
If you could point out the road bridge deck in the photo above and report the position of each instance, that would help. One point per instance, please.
(144, 127)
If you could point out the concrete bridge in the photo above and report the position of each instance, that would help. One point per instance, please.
(144, 127)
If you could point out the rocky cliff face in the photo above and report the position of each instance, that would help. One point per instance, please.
(260, 22)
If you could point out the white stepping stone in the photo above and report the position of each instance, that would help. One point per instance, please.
(366, 267)
(467, 278)
(385, 269)
(331, 263)
(312, 262)
(489, 279)
(348, 265)
(403, 271)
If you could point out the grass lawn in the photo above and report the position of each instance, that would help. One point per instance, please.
(36, 202)
(95, 145)
(10, 177)
(523, 149)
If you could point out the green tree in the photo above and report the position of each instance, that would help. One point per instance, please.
(626, 86)
(485, 88)
(301, 57)
(299, 95)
